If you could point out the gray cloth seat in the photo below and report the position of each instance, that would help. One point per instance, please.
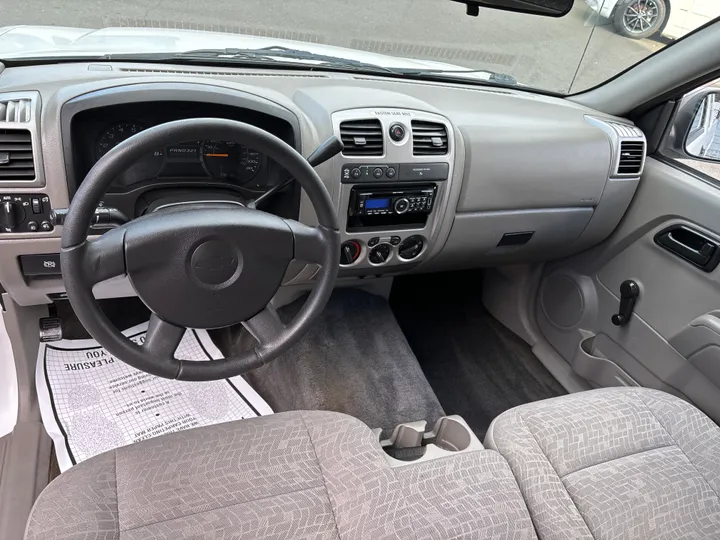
(290, 475)
(624, 463)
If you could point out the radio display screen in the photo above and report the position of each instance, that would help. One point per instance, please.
(377, 204)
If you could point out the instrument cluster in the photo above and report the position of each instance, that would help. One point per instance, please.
(224, 161)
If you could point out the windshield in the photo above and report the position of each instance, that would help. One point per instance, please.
(425, 38)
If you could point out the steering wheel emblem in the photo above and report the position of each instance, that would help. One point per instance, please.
(215, 262)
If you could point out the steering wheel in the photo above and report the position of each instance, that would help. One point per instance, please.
(200, 265)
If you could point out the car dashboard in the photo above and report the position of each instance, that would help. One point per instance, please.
(433, 176)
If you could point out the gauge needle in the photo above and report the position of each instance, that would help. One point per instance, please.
(216, 155)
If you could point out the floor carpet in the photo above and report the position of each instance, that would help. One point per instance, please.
(476, 366)
(354, 359)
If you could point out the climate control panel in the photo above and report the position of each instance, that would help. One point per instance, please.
(379, 250)
(25, 212)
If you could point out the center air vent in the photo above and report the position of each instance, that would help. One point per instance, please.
(632, 154)
(429, 138)
(362, 137)
(16, 155)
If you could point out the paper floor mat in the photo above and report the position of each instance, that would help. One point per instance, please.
(91, 402)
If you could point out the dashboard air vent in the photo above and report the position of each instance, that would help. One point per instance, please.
(16, 155)
(632, 155)
(362, 137)
(15, 111)
(429, 138)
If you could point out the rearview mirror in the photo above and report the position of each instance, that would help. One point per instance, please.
(550, 8)
(703, 136)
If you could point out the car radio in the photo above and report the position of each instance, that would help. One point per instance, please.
(390, 201)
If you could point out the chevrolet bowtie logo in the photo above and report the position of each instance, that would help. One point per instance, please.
(215, 263)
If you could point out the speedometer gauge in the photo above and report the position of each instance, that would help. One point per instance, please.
(231, 161)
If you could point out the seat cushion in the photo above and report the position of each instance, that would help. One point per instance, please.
(620, 463)
(292, 475)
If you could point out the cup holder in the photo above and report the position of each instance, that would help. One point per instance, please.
(452, 435)
(410, 442)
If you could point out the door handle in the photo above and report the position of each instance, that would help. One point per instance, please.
(690, 245)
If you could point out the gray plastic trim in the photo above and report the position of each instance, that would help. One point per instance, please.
(673, 292)
(395, 153)
(593, 364)
(699, 342)
(26, 461)
(474, 236)
(33, 126)
(164, 91)
(450, 436)
(617, 134)
(25, 473)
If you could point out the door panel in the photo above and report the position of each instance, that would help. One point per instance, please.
(672, 341)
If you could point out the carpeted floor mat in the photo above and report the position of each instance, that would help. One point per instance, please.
(476, 366)
(354, 359)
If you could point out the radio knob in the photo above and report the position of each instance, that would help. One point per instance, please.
(11, 215)
(401, 205)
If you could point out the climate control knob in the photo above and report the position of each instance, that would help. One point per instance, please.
(411, 247)
(380, 253)
(11, 215)
(349, 252)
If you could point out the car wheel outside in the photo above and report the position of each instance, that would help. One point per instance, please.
(639, 19)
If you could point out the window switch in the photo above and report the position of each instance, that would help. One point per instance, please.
(36, 206)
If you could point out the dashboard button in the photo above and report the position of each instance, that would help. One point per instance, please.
(36, 206)
(373, 241)
(355, 173)
(401, 206)
(397, 132)
(390, 172)
(378, 172)
(395, 240)
(46, 226)
(32, 226)
(40, 265)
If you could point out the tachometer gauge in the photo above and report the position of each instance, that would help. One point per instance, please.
(114, 135)
(144, 169)
(231, 161)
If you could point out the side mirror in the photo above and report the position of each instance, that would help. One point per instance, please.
(695, 130)
(703, 136)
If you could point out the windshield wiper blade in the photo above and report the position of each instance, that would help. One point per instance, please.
(275, 52)
(280, 56)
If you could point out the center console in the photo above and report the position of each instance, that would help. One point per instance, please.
(395, 172)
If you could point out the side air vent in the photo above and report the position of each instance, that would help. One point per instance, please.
(16, 155)
(632, 155)
(362, 137)
(15, 111)
(429, 138)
